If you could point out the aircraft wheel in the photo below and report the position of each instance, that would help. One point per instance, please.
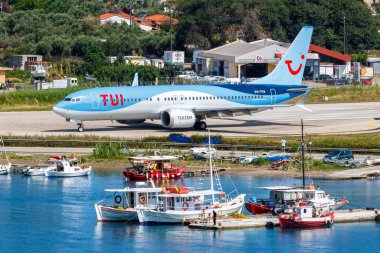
(202, 125)
(196, 125)
(80, 129)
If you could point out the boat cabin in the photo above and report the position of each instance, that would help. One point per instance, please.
(147, 163)
(288, 195)
(134, 197)
(194, 200)
(65, 166)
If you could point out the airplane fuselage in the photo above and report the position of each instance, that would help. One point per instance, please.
(148, 102)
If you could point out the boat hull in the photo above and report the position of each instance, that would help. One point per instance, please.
(84, 172)
(155, 217)
(111, 214)
(131, 175)
(287, 221)
(257, 209)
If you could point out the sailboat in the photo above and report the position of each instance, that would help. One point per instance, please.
(177, 205)
(5, 168)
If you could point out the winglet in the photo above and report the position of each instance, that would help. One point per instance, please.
(301, 103)
(136, 80)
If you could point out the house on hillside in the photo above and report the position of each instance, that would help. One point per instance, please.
(25, 61)
(124, 18)
(148, 23)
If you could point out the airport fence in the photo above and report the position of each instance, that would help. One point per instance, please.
(137, 143)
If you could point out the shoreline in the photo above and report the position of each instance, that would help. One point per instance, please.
(117, 166)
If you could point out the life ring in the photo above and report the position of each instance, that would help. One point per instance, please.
(185, 206)
(222, 196)
(142, 199)
(118, 199)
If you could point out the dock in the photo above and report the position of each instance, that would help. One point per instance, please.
(261, 221)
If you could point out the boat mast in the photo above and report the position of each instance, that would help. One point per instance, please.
(5, 152)
(211, 175)
(303, 155)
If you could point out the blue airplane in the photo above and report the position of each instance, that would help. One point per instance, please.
(185, 106)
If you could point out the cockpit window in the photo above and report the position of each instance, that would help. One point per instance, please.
(77, 100)
(67, 99)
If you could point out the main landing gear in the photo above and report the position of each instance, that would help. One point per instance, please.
(200, 125)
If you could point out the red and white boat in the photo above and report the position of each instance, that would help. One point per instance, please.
(306, 217)
(153, 167)
(283, 196)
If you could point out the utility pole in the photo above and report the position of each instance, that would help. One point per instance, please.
(1, 6)
(303, 155)
(170, 31)
(344, 33)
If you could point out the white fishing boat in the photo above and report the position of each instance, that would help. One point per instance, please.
(39, 170)
(181, 204)
(121, 204)
(65, 169)
(5, 168)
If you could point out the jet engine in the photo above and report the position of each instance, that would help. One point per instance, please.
(177, 119)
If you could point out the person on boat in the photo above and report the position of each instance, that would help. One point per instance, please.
(214, 217)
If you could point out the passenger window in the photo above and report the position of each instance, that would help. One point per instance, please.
(158, 99)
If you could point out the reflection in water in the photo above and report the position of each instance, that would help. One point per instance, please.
(58, 213)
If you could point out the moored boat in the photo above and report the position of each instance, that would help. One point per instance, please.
(176, 205)
(65, 169)
(121, 207)
(153, 167)
(306, 217)
(5, 168)
(283, 197)
(39, 170)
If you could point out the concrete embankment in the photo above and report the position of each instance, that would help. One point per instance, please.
(341, 216)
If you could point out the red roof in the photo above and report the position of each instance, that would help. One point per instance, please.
(333, 54)
(120, 14)
(160, 18)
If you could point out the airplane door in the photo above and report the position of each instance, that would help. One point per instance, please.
(181, 99)
(175, 99)
(273, 96)
(95, 100)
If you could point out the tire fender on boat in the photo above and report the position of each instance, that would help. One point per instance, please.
(142, 199)
(118, 199)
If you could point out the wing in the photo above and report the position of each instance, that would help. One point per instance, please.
(248, 110)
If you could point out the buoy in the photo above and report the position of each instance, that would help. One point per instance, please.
(377, 218)
(269, 224)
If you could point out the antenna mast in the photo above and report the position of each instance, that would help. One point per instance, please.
(211, 173)
(303, 155)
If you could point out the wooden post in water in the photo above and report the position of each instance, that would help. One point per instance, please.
(303, 155)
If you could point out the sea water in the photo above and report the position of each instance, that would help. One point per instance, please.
(39, 214)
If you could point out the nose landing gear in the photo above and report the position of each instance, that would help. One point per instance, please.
(80, 128)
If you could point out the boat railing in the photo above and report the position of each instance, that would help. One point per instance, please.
(232, 195)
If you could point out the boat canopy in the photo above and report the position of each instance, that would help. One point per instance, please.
(127, 189)
(192, 194)
(152, 158)
(277, 187)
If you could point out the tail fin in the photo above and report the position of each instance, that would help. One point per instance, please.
(289, 70)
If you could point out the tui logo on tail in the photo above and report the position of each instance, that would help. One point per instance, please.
(294, 72)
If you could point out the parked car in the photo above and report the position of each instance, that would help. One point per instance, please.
(338, 155)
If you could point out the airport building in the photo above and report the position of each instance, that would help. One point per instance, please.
(241, 59)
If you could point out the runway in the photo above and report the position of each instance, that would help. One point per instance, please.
(349, 118)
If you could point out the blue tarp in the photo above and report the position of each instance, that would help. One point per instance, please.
(179, 138)
(214, 140)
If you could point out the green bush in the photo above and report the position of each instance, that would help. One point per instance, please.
(260, 161)
(108, 150)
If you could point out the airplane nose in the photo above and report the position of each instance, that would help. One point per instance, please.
(60, 111)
